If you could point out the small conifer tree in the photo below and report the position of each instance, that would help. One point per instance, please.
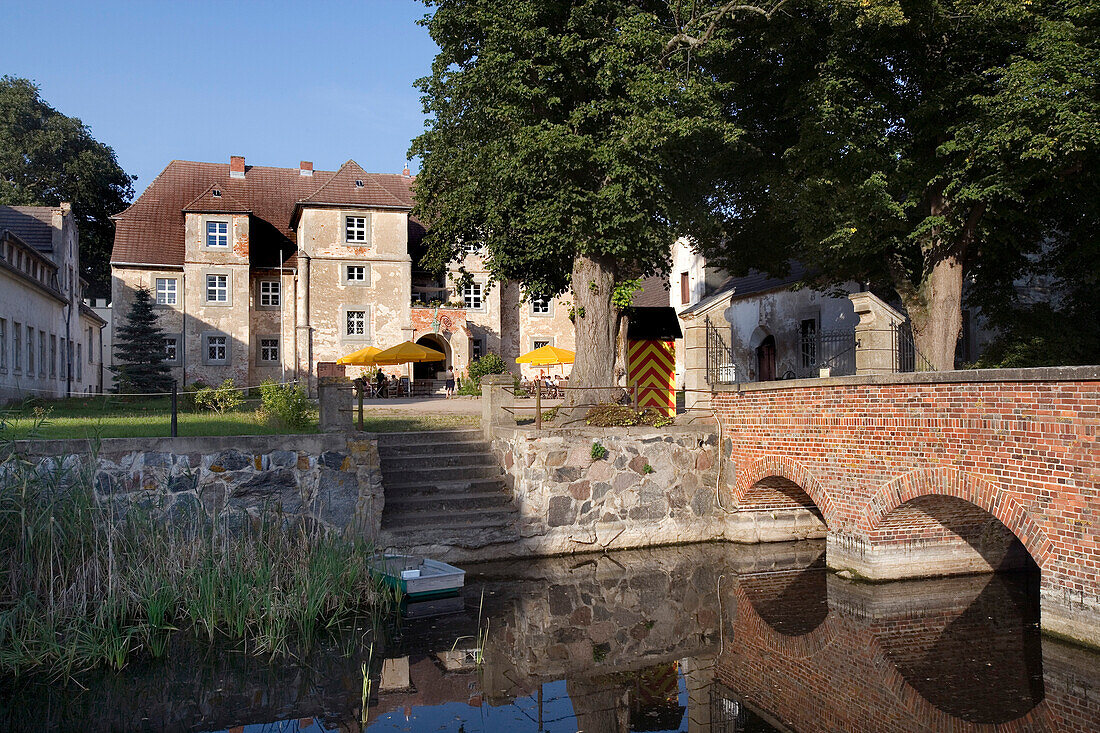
(139, 347)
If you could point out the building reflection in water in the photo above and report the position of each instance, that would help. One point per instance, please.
(701, 639)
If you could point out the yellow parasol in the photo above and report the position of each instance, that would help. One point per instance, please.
(547, 356)
(407, 352)
(363, 357)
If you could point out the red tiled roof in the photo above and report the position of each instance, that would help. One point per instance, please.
(353, 186)
(151, 230)
(216, 200)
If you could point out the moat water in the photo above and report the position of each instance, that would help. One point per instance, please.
(705, 638)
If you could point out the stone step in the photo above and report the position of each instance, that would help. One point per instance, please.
(445, 488)
(449, 520)
(420, 541)
(386, 440)
(398, 464)
(432, 448)
(435, 503)
(436, 475)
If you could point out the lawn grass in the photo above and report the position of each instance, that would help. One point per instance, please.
(376, 421)
(112, 417)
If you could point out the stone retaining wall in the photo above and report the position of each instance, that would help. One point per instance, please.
(334, 480)
(654, 487)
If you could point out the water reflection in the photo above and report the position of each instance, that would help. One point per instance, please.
(699, 639)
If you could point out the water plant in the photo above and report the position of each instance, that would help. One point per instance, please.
(87, 580)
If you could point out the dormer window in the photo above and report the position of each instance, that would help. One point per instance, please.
(217, 234)
(358, 182)
(216, 193)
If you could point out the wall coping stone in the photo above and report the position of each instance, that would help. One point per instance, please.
(1036, 374)
(589, 431)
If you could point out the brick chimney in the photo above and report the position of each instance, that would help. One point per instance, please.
(236, 166)
(305, 168)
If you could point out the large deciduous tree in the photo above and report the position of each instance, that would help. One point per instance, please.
(561, 138)
(916, 143)
(47, 158)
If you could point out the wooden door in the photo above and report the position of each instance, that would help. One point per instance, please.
(765, 360)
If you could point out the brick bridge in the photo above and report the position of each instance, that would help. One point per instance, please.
(934, 474)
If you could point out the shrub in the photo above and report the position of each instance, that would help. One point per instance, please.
(488, 364)
(625, 416)
(598, 451)
(469, 387)
(218, 399)
(285, 405)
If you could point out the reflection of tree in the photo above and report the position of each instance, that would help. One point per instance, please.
(644, 700)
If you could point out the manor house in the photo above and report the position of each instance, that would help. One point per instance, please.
(274, 273)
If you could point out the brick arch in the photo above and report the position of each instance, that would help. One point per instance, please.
(789, 469)
(952, 482)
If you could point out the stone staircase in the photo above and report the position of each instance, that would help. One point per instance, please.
(443, 487)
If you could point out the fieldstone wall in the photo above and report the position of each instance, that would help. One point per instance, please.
(334, 480)
(652, 487)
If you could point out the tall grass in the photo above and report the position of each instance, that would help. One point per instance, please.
(87, 581)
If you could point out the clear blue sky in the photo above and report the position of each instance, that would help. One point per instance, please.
(276, 82)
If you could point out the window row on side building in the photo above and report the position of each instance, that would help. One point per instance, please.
(51, 342)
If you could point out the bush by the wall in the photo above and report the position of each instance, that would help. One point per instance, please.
(285, 405)
(488, 364)
(218, 399)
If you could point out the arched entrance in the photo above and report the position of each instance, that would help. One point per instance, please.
(429, 369)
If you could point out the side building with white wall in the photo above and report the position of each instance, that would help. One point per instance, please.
(50, 342)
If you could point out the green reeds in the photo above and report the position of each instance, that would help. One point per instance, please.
(86, 581)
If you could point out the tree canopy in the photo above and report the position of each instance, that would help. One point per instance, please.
(919, 144)
(560, 139)
(47, 158)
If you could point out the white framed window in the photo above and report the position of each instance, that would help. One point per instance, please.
(355, 229)
(355, 274)
(30, 351)
(477, 347)
(539, 343)
(473, 295)
(166, 291)
(79, 363)
(217, 288)
(90, 344)
(215, 348)
(217, 233)
(541, 307)
(269, 350)
(3, 345)
(42, 353)
(471, 247)
(355, 323)
(270, 294)
(171, 349)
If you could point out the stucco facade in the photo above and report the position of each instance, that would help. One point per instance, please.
(49, 343)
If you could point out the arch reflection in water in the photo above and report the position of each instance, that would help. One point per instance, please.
(700, 639)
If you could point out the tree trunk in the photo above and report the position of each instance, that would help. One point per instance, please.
(596, 324)
(935, 309)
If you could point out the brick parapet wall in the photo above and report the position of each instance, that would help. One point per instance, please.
(1021, 445)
